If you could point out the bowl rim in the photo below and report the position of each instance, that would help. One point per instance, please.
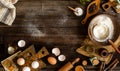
(115, 34)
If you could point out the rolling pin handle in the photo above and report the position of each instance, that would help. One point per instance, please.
(75, 61)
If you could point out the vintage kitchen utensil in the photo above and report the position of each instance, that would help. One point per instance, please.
(102, 28)
(94, 61)
(112, 65)
(103, 52)
(69, 65)
(79, 68)
(30, 56)
(29, 52)
(117, 8)
(118, 1)
(82, 50)
(113, 45)
(8, 63)
(41, 53)
(112, 3)
(108, 5)
(89, 13)
(77, 11)
(71, 8)
(102, 66)
(90, 49)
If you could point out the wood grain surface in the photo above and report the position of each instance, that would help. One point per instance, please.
(51, 24)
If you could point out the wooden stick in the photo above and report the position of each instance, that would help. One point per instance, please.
(112, 64)
(102, 66)
(113, 45)
(71, 8)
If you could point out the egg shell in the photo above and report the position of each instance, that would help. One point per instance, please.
(52, 60)
(78, 11)
(61, 57)
(35, 64)
(11, 50)
(26, 68)
(21, 43)
(56, 51)
(20, 61)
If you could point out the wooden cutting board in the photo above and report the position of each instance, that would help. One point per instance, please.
(82, 50)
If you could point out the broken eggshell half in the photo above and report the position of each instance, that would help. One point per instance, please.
(26, 68)
(56, 51)
(21, 43)
(61, 57)
(35, 64)
(78, 11)
(102, 28)
(11, 50)
(20, 61)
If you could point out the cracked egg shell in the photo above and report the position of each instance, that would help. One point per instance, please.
(56, 51)
(26, 68)
(35, 64)
(20, 61)
(21, 43)
(78, 11)
(61, 57)
(11, 50)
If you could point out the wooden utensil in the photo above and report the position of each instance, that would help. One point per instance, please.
(69, 65)
(88, 14)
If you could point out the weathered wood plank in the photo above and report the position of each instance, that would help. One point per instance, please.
(47, 23)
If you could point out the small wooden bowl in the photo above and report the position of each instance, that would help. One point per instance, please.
(110, 25)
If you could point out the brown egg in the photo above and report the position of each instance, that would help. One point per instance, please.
(52, 60)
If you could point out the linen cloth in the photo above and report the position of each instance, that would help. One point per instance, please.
(7, 11)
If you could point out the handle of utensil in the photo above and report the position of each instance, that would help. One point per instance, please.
(88, 14)
(113, 45)
(106, 6)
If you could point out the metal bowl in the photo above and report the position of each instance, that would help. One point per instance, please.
(102, 28)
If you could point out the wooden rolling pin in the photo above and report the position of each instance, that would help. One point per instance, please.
(69, 65)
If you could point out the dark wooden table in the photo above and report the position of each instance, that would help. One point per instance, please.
(47, 23)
